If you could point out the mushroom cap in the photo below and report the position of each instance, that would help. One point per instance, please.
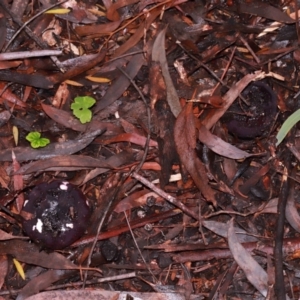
(59, 214)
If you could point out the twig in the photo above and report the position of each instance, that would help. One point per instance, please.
(278, 255)
(73, 284)
(27, 54)
(249, 49)
(39, 42)
(166, 196)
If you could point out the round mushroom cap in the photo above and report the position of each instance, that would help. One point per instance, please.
(59, 214)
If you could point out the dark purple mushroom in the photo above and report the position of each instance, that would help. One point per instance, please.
(262, 111)
(57, 214)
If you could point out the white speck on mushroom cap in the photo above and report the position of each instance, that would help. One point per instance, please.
(38, 226)
(70, 225)
(64, 185)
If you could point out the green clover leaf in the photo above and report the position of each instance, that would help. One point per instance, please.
(81, 106)
(36, 141)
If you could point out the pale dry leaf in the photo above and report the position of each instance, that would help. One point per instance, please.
(253, 271)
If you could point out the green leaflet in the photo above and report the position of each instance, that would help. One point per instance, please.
(287, 126)
(36, 141)
(81, 106)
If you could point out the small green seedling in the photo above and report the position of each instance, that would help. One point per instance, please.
(81, 106)
(36, 141)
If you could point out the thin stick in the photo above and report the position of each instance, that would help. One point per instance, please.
(166, 196)
(27, 54)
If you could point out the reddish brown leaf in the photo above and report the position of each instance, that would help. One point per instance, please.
(130, 137)
(188, 155)
(78, 162)
(68, 120)
(97, 28)
(18, 184)
(3, 269)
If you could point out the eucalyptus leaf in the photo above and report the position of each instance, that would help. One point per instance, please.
(287, 126)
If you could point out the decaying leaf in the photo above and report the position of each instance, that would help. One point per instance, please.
(185, 144)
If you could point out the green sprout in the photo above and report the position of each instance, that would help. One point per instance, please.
(36, 141)
(81, 106)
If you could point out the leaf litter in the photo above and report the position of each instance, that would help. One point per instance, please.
(168, 78)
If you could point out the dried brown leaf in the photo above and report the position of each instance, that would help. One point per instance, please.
(214, 115)
(31, 254)
(188, 155)
(120, 85)
(3, 269)
(68, 120)
(219, 146)
(18, 184)
(75, 161)
(40, 283)
(52, 150)
(264, 10)
(130, 137)
(7, 236)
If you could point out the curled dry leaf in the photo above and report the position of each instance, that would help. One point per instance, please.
(253, 271)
